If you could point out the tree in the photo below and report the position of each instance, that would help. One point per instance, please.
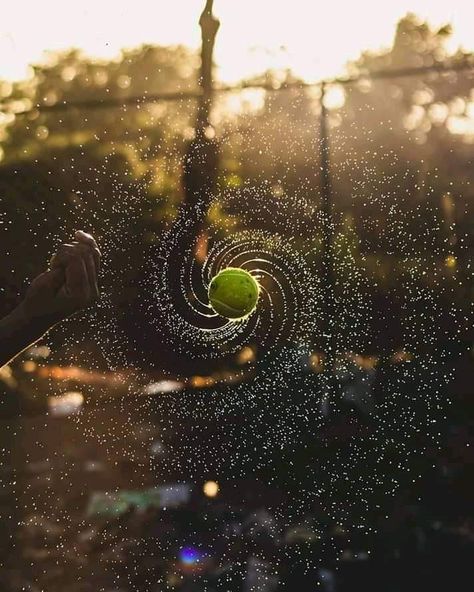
(61, 165)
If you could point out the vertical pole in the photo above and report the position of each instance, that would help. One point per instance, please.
(209, 27)
(200, 167)
(327, 259)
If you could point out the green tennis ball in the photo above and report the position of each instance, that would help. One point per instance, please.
(233, 293)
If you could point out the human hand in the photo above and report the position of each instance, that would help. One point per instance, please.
(68, 286)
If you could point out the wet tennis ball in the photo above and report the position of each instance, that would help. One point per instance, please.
(233, 293)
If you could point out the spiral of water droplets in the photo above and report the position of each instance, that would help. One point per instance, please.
(289, 295)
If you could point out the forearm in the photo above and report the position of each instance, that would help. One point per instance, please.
(17, 332)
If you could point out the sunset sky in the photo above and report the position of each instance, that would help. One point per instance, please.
(255, 34)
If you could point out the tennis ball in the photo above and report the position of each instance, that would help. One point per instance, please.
(233, 293)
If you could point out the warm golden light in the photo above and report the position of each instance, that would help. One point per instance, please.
(246, 355)
(211, 488)
(201, 381)
(254, 36)
(335, 97)
(316, 362)
(450, 262)
(29, 366)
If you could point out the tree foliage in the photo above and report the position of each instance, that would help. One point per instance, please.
(401, 154)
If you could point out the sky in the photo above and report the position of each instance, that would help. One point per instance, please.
(312, 38)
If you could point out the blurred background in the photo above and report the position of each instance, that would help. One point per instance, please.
(341, 461)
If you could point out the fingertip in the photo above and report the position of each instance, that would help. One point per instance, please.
(85, 237)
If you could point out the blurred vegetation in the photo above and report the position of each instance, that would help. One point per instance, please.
(401, 155)
(63, 169)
